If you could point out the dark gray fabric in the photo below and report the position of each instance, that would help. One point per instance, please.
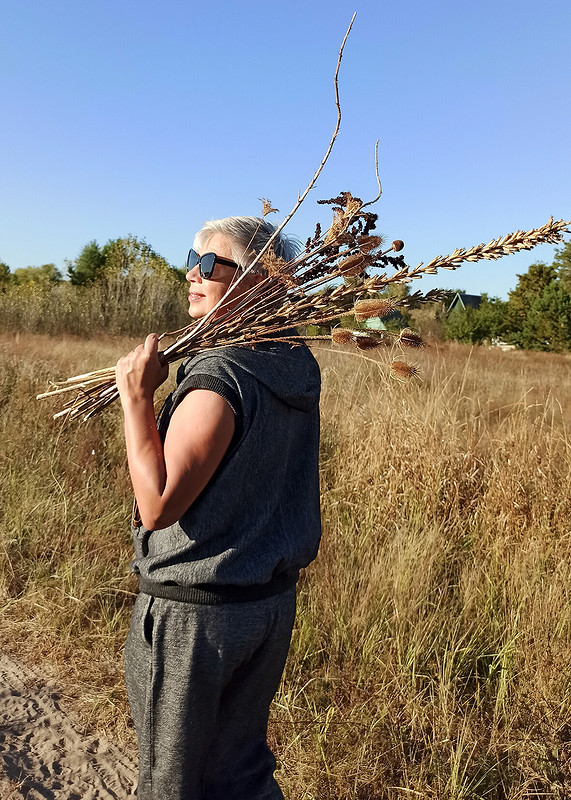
(200, 681)
(259, 514)
(200, 677)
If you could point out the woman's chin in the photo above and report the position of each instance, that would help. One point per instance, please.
(196, 310)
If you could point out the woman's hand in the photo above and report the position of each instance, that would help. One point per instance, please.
(140, 373)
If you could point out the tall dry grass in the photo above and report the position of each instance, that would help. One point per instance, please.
(431, 651)
(120, 305)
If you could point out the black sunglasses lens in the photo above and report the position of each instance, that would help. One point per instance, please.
(206, 267)
(206, 263)
(192, 259)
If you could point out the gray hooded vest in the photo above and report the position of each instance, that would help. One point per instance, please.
(257, 522)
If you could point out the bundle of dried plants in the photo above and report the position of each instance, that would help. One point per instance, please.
(340, 271)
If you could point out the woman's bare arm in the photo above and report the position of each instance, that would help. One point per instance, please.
(168, 479)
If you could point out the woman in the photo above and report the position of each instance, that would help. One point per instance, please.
(227, 493)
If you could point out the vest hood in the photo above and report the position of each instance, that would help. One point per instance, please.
(290, 372)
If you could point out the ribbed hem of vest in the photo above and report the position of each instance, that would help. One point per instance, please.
(212, 595)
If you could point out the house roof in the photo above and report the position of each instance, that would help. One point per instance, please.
(463, 301)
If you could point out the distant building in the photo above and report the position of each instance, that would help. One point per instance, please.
(378, 324)
(375, 324)
(497, 342)
(461, 301)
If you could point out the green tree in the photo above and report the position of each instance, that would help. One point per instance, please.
(5, 274)
(136, 286)
(130, 256)
(493, 316)
(476, 325)
(548, 323)
(530, 287)
(462, 326)
(46, 274)
(88, 266)
(562, 263)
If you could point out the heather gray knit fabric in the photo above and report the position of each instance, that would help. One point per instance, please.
(200, 681)
(258, 517)
(201, 674)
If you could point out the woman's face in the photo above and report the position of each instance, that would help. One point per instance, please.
(205, 293)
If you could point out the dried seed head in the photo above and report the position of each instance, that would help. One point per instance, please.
(273, 263)
(369, 243)
(352, 206)
(398, 245)
(365, 342)
(410, 338)
(277, 267)
(266, 206)
(342, 217)
(341, 336)
(338, 226)
(401, 371)
(354, 265)
(365, 309)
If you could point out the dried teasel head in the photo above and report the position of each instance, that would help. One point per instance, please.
(398, 245)
(341, 336)
(365, 342)
(354, 265)
(401, 371)
(382, 307)
(369, 243)
(409, 338)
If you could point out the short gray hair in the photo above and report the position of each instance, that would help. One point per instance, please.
(247, 236)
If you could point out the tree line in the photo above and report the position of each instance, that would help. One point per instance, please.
(536, 315)
(122, 287)
(125, 287)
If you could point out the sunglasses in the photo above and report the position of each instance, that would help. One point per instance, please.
(206, 263)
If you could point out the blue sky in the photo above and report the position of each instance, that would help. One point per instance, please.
(123, 117)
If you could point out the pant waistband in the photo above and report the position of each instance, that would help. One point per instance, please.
(210, 594)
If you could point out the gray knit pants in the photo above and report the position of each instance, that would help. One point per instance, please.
(200, 680)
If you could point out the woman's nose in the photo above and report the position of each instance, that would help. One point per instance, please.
(194, 275)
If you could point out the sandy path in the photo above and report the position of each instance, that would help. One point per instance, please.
(44, 755)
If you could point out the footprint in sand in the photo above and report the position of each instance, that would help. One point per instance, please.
(43, 756)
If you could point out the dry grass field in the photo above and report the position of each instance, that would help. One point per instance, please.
(431, 656)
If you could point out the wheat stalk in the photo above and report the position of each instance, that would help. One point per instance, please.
(551, 232)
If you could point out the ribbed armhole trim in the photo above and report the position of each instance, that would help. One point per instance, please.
(214, 384)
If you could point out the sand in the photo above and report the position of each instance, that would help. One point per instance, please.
(45, 754)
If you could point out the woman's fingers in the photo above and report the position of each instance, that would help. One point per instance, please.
(152, 343)
(140, 372)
